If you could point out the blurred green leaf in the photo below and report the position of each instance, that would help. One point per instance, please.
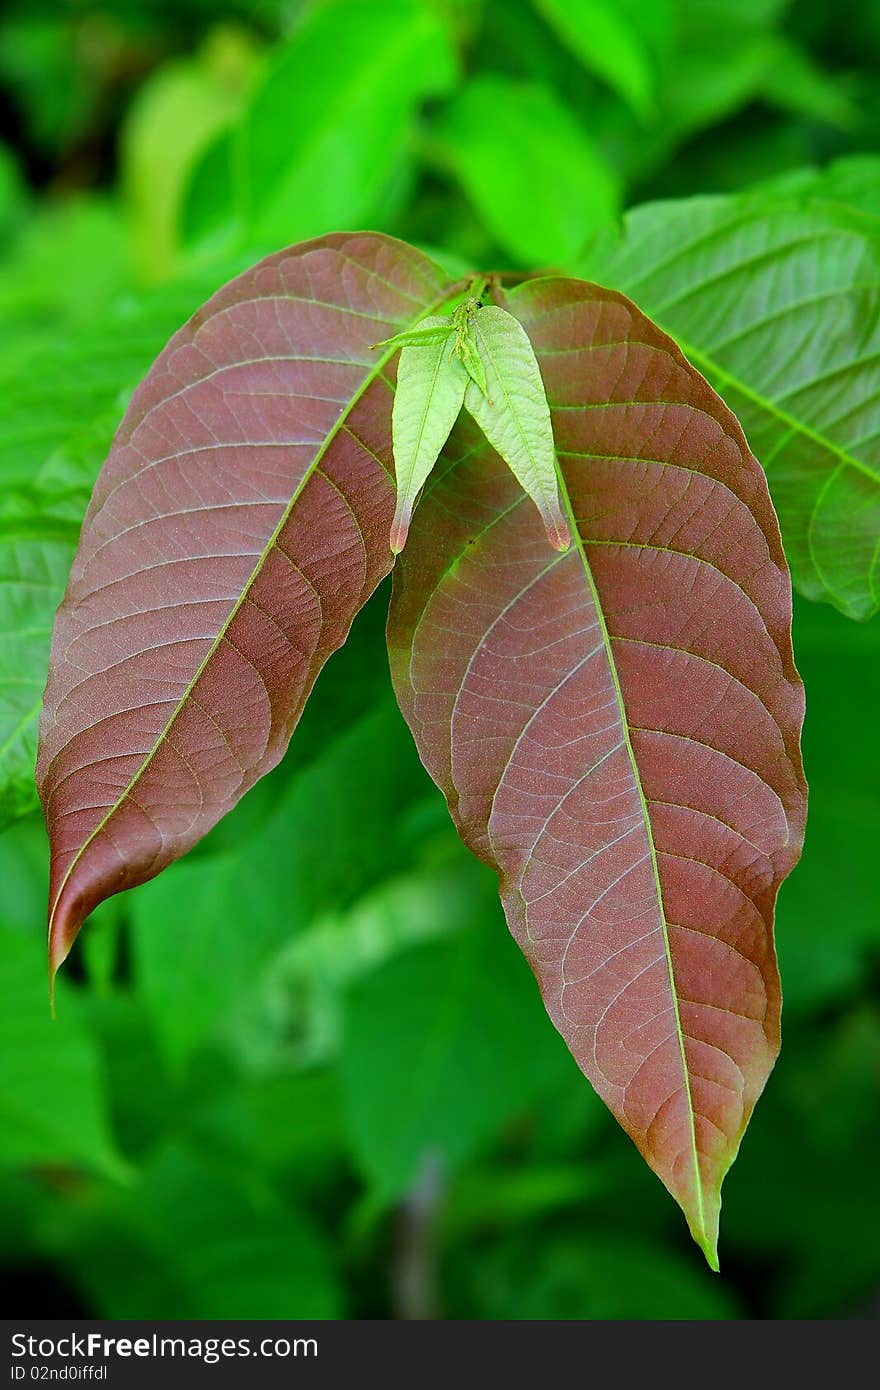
(606, 36)
(205, 930)
(192, 1242)
(37, 290)
(289, 1123)
(828, 920)
(12, 194)
(33, 569)
(776, 301)
(794, 82)
(816, 1221)
(38, 64)
(442, 1047)
(326, 127)
(722, 51)
(854, 182)
(730, 55)
(530, 169)
(591, 1278)
(52, 1102)
(24, 873)
(174, 117)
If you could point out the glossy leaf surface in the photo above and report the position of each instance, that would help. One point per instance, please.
(616, 729)
(240, 522)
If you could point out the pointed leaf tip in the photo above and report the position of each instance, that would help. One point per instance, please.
(513, 413)
(400, 528)
(558, 530)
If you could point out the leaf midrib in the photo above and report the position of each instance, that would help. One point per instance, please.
(646, 817)
(450, 293)
(487, 350)
(765, 403)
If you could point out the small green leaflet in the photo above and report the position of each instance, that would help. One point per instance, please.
(514, 415)
(430, 330)
(466, 352)
(431, 384)
(481, 357)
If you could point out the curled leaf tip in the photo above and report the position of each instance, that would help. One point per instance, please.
(57, 955)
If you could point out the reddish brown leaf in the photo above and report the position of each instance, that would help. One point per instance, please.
(617, 728)
(239, 523)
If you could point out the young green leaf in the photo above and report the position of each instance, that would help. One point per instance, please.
(435, 331)
(431, 384)
(513, 414)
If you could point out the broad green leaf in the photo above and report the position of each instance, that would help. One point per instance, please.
(442, 1046)
(53, 1109)
(529, 168)
(429, 394)
(513, 413)
(616, 729)
(775, 301)
(327, 124)
(604, 34)
(853, 181)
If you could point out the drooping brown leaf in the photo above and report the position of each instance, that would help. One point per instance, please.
(239, 523)
(616, 729)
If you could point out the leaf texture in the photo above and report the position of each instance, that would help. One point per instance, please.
(616, 729)
(430, 392)
(777, 301)
(511, 410)
(239, 523)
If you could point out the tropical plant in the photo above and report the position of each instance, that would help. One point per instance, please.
(589, 454)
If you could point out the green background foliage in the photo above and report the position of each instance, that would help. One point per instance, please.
(272, 1061)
